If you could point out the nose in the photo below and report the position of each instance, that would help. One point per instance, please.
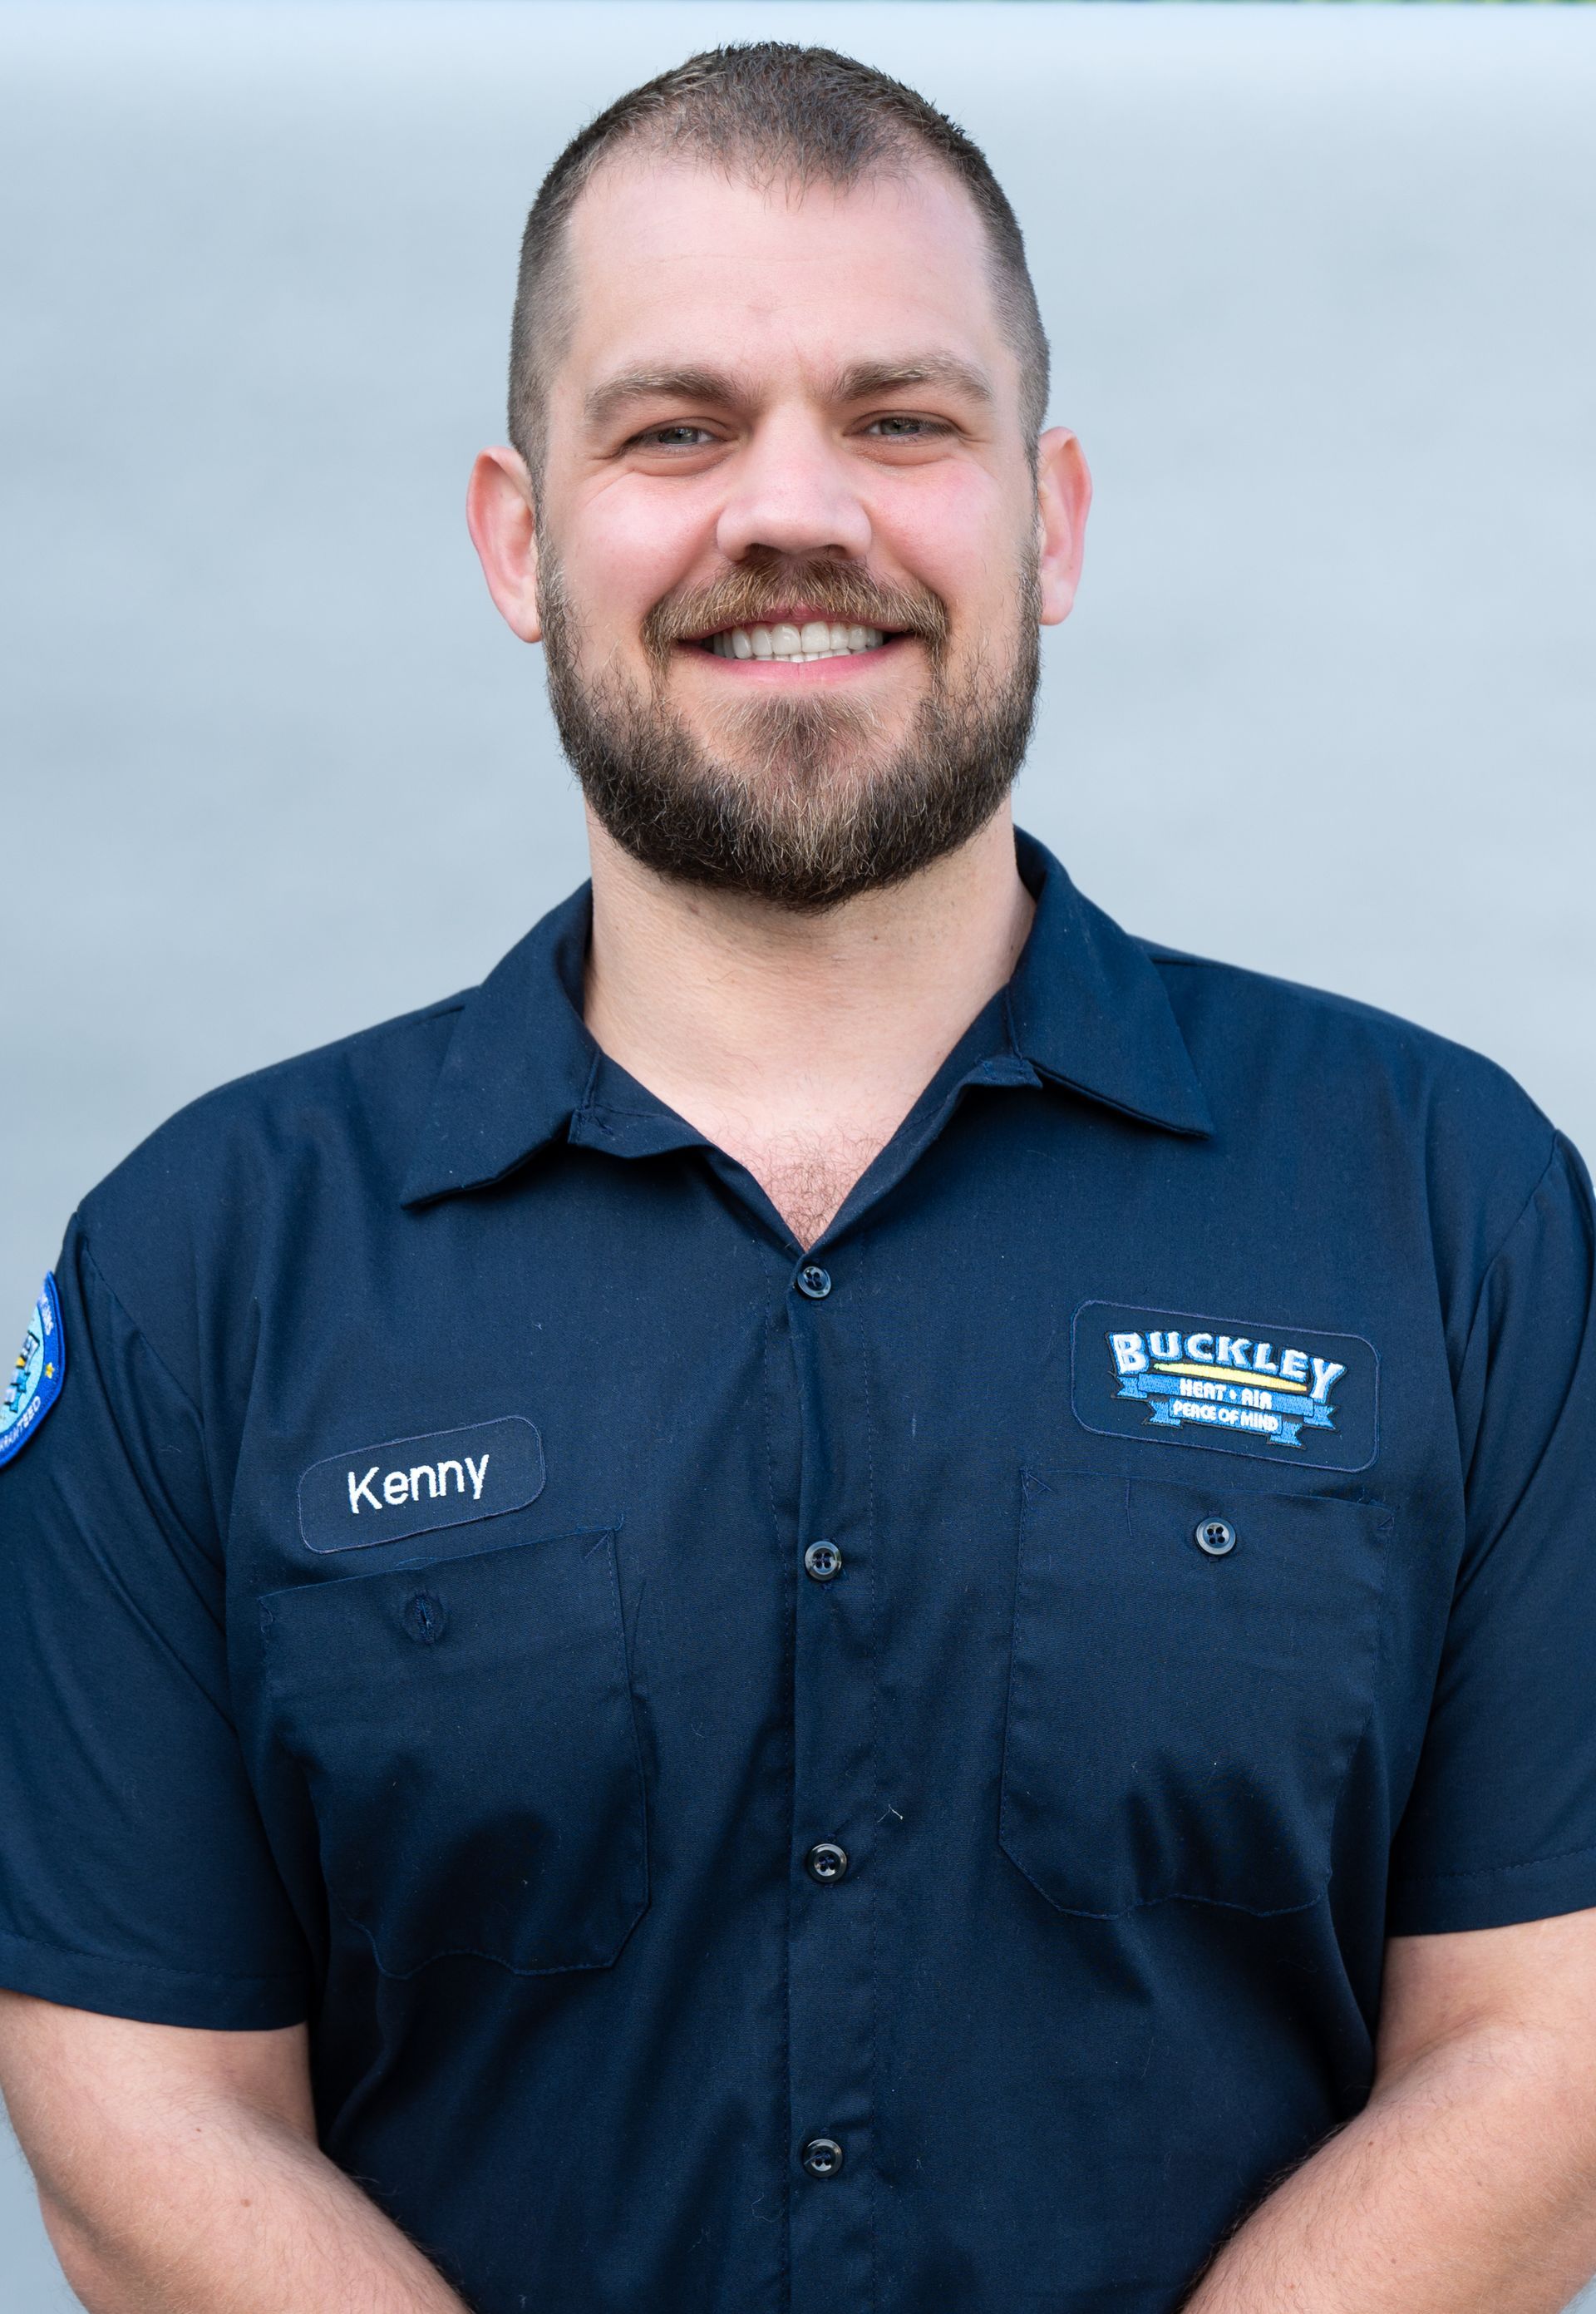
(791, 494)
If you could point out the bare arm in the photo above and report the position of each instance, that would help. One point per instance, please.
(1467, 2184)
(178, 2173)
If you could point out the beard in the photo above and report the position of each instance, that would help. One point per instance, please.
(808, 805)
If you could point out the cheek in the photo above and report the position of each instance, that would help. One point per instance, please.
(626, 547)
(957, 531)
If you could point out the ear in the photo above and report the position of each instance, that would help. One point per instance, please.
(1064, 495)
(503, 526)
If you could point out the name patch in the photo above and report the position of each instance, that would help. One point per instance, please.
(32, 1387)
(1285, 1392)
(410, 1485)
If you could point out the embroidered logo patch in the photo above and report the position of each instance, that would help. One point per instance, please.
(1285, 1392)
(33, 1385)
(410, 1485)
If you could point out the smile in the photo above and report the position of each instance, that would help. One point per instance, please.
(797, 646)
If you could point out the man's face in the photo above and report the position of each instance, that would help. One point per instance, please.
(787, 533)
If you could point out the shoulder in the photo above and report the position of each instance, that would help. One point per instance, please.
(360, 1095)
(1381, 1093)
(184, 1217)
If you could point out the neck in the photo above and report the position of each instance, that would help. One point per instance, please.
(798, 1044)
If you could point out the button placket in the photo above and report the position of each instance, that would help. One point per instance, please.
(831, 1989)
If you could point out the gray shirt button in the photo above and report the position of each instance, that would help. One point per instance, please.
(1216, 1536)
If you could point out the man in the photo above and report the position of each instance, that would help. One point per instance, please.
(851, 1595)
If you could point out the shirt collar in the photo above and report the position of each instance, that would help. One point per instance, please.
(1086, 1009)
(1089, 1009)
(518, 1064)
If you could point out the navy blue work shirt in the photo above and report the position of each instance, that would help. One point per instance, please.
(875, 1777)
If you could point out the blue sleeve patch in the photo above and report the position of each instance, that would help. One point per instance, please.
(32, 1387)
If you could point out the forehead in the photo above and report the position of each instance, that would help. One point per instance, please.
(671, 262)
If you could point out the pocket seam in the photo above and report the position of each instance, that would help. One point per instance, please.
(1027, 1479)
(1033, 1481)
(278, 1698)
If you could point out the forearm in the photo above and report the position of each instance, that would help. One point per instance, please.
(221, 2211)
(1467, 2185)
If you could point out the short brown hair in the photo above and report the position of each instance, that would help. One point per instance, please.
(770, 109)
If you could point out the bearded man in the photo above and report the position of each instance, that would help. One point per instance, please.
(851, 1595)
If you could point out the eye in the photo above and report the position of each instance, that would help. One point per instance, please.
(902, 425)
(681, 436)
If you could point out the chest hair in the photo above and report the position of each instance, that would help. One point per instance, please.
(807, 1176)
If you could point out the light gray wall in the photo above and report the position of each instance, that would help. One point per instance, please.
(1319, 283)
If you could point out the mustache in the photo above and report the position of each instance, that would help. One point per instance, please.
(755, 593)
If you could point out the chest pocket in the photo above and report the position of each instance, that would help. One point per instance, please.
(468, 1736)
(1182, 1712)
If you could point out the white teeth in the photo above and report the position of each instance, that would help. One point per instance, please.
(817, 639)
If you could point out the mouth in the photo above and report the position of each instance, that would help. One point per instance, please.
(796, 641)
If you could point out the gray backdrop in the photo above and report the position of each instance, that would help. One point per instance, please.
(1319, 287)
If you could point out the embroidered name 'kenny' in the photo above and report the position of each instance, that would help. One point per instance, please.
(396, 1486)
(410, 1485)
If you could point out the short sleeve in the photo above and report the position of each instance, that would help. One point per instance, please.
(1501, 1825)
(135, 1875)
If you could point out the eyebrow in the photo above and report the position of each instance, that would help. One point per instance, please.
(856, 383)
(862, 379)
(665, 384)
